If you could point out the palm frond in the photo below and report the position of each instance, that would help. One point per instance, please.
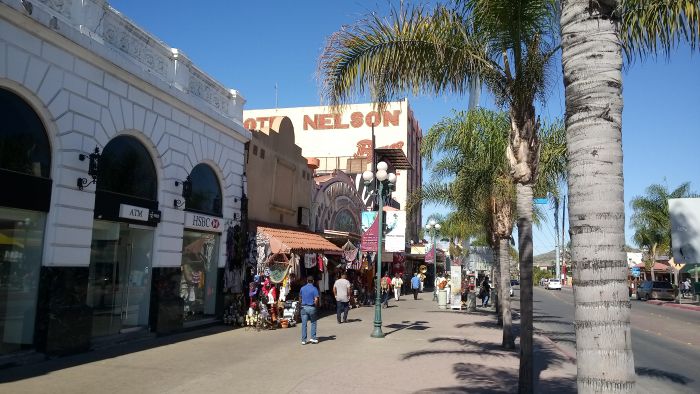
(653, 27)
(411, 50)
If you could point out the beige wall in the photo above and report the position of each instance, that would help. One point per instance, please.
(279, 182)
(334, 138)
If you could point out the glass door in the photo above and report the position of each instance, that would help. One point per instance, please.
(120, 277)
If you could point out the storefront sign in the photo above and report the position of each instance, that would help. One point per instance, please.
(203, 222)
(395, 231)
(330, 121)
(133, 212)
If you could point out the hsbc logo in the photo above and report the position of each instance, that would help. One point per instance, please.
(202, 222)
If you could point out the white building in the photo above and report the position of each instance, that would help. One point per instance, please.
(134, 252)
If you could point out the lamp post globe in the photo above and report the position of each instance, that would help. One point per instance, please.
(382, 166)
(367, 176)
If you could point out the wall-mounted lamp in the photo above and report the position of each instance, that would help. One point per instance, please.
(186, 192)
(93, 168)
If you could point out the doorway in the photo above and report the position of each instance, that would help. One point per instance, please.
(119, 287)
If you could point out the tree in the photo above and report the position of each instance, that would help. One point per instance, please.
(506, 44)
(473, 176)
(651, 219)
(594, 35)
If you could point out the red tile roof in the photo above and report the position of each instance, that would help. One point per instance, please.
(286, 241)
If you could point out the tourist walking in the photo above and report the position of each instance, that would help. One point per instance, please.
(309, 301)
(685, 287)
(386, 288)
(415, 285)
(341, 291)
(396, 283)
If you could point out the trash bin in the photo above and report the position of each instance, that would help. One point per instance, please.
(442, 299)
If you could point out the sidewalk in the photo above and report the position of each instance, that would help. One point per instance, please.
(686, 304)
(425, 350)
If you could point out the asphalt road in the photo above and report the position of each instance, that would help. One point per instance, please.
(665, 341)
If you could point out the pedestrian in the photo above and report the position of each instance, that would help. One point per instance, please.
(485, 292)
(396, 283)
(386, 288)
(686, 287)
(341, 291)
(415, 285)
(421, 276)
(308, 296)
(448, 287)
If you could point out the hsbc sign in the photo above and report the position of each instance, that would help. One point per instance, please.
(203, 222)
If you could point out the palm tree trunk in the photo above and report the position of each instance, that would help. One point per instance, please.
(496, 293)
(592, 63)
(504, 284)
(524, 210)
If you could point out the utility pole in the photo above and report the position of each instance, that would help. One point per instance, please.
(556, 238)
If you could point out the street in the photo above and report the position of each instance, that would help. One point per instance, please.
(665, 340)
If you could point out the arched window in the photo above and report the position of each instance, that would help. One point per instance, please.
(345, 221)
(206, 191)
(126, 168)
(24, 145)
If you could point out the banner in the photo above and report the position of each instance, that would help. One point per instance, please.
(370, 231)
(456, 281)
(395, 231)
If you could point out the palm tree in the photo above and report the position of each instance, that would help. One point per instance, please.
(651, 220)
(479, 186)
(508, 45)
(594, 35)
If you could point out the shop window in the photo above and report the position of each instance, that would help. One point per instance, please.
(255, 150)
(199, 274)
(126, 168)
(21, 246)
(24, 145)
(206, 191)
(345, 221)
(262, 153)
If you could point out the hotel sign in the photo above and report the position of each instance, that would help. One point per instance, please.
(330, 121)
(198, 221)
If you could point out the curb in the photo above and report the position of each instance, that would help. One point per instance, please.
(556, 346)
(672, 304)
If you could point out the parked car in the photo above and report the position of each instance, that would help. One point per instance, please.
(656, 290)
(514, 282)
(554, 284)
(543, 282)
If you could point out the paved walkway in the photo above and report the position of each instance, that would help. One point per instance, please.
(426, 350)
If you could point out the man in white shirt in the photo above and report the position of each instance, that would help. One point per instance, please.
(341, 291)
(396, 283)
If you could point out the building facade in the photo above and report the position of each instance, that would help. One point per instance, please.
(126, 169)
(343, 141)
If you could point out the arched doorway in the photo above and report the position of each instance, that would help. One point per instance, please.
(25, 162)
(126, 211)
(200, 246)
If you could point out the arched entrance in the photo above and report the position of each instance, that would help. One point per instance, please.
(200, 246)
(25, 162)
(122, 238)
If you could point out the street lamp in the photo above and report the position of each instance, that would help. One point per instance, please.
(386, 182)
(433, 227)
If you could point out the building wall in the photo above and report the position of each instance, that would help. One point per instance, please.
(92, 75)
(279, 181)
(335, 138)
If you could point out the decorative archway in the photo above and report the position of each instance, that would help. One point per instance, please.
(206, 196)
(126, 168)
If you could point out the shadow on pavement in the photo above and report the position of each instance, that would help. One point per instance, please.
(12, 373)
(407, 325)
(659, 374)
(353, 320)
(324, 339)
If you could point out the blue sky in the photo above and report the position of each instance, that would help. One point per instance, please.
(253, 45)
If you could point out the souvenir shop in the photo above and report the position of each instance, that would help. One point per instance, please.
(278, 263)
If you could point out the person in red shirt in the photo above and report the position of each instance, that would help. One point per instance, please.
(386, 289)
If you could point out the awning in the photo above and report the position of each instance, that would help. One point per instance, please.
(395, 156)
(287, 241)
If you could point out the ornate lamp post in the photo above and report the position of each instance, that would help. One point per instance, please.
(432, 228)
(386, 183)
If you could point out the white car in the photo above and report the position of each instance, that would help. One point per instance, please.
(554, 284)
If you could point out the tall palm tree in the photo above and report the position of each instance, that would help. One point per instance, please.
(594, 35)
(651, 219)
(472, 175)
(507, 44)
